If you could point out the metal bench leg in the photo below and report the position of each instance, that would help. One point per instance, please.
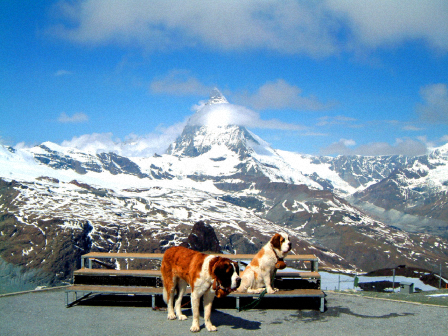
(76, 301)
(322, 304)
(153, 301)
(67, 301)
(238, 303)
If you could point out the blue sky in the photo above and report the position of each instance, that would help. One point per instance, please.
(319, 77)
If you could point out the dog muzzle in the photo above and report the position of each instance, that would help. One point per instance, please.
(220, 290)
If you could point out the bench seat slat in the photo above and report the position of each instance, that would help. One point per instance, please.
(287, 293)
(158, 273)
(298, 274)
(123, 255)
(159, 256)
(159, 290)
(115, 289)
(112, 272)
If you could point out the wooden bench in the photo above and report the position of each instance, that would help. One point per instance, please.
(157, 273)
(148, 282)
(89, 257)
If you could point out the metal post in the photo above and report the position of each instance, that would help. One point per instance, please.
(440, 278)
(339, 282)
(393, 281)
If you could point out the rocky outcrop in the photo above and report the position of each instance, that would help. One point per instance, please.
(203, 239)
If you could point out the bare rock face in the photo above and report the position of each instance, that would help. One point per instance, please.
(202, 238)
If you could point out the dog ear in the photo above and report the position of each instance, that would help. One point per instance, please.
(222, 272)
(219, 268)
(213, 263)
(276, 241)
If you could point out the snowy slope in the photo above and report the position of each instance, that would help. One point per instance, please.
(231, 178)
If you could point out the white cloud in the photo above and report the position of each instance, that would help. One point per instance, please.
(434, 108)
(179, 82)
(280, 95)
(348, 142)
(75, 118)
(132, 146)
(401, 147)
(62, 73)
(337, 120)
(383, 23)
(158, 141)
(412, 128)
(93, 143)
(316, 28)
(230, 114)
(277, 94)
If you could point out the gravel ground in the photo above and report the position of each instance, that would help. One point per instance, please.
(44, 313)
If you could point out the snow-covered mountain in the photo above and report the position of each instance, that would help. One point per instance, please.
(354, 212)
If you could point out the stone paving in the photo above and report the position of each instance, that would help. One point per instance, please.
(44, 313)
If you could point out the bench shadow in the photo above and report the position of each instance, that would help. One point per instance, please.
(309, 316)
(269, 303)
(145, 301)
(118, 300)
(337, 311)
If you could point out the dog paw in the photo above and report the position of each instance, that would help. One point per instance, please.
(212, 328)
(182, 317)
(171, 316)
(271, 290)
(195, 328)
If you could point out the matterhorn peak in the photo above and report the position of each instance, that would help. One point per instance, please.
(216, 97)
(217, 124)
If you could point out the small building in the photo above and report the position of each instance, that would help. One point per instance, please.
(407, 287)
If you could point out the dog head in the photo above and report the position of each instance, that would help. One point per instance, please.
(226, 276)
(281, 243)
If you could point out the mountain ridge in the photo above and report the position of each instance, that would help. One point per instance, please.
(234, 181)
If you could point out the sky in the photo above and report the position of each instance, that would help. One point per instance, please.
(324, 77)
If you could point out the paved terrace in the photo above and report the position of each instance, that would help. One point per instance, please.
(44, 313)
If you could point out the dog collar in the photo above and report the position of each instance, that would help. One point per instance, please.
(280, 264)
(218, 287)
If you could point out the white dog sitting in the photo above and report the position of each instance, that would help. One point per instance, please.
(259, 274)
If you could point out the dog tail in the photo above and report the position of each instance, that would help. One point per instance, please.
(165, 284)
(165, 295)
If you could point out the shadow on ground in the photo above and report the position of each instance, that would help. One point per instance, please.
(223, 303)
(297, 310)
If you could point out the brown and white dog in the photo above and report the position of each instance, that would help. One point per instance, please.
(259, 274)
(207, 275)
